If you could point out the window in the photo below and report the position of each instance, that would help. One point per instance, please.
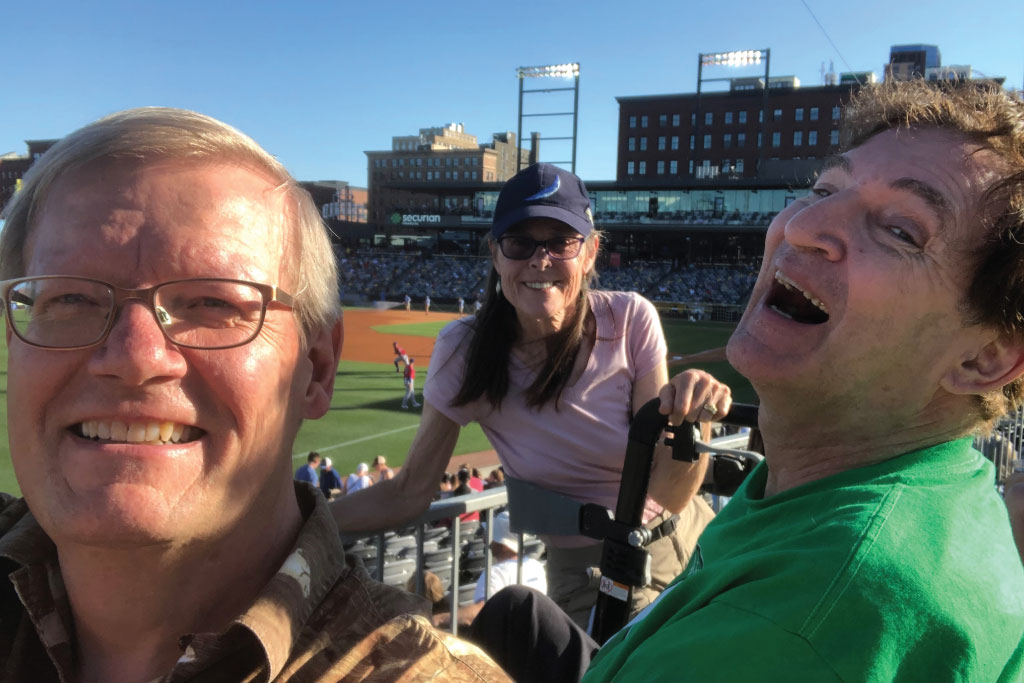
(632, 122)
(709, 118)
(814, 113)
(629, 168)
(631, 144)
(693, 119)
(643, 168)
(643, 121)
(741, 139)
(727, 140)
(725, 165)
(798, 138)
(691, 142)
(833, 137)
(661, 142)
(776, 139)
(728, 117)
(691, 166)
(663, 120)
(760, 116)
(643, 144)
(707, 141)
(812, 138)
(759, 141)
(835, 113)
(739, 165)
(743, 116)
(474, 175)
(661, 168)
(673, 167)
(777, 115)
(465, 175)
(675, 142)
(675, 119)
(798, 114)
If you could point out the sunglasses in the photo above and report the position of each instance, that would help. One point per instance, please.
(520, 248)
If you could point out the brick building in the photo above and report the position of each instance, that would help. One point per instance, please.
(669, 140)
(13, 166)
(435, 171)
(337, 200)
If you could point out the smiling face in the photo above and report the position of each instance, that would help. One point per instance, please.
(859, 303)
(238, 409)
(543, 290)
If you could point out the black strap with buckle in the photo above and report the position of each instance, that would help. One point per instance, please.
(666, 528)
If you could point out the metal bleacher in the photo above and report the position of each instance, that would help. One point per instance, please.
(429, 542)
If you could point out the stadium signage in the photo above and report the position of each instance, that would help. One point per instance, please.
(414, 218)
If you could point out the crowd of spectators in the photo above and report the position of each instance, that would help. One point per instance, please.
(443, 277)
(712, 284)
(703, 217)
(366, 274)
(446, 278)
(638, 276)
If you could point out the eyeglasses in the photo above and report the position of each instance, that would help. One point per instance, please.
(62, 312)
(520, 248)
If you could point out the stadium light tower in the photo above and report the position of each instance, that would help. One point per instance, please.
(570, 70)
(734, 59)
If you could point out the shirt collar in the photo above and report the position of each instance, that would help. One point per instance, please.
(286, 602)
(271, 625)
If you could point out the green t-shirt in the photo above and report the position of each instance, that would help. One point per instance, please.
(901, 571)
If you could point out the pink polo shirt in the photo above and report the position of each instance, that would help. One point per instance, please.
(577, 450)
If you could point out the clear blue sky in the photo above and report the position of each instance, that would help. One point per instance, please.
(317, 83)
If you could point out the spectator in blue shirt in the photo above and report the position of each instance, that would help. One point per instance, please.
(308, 471)
(330, 482)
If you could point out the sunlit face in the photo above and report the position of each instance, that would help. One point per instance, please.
(135, 226)
(542, 289)
(859, 301)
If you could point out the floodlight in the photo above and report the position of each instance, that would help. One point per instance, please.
(570, 70)
(736, 58)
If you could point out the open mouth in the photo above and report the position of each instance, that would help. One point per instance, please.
(789, 301)
(539, 285)
(150, 432)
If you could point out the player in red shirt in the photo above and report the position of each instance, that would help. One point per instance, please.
(400, 355)
(410, 381)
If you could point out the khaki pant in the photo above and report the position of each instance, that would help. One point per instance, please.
(573, 585)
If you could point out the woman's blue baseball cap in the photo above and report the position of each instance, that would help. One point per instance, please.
(543, 191)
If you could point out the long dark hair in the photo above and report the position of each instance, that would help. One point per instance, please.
(495, 333)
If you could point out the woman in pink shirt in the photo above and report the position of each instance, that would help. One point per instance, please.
(553, 372)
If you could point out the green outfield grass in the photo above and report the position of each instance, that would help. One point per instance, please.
(366, 417)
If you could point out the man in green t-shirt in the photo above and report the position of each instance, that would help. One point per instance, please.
(886, 327)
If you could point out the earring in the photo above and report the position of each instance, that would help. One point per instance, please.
(497, 287)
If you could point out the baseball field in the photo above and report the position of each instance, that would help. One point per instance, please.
(366, 417)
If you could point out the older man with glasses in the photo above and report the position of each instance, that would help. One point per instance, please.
(172, 319)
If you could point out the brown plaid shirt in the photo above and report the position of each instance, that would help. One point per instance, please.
(320, 618)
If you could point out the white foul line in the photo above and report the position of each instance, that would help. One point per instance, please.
(359, 440)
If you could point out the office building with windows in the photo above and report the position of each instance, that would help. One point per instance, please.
(739, 133)
(411, 177)
(13, 166)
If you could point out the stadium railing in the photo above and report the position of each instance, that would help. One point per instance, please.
(486, 503)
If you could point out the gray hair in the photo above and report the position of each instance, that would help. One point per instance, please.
(160, 133)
